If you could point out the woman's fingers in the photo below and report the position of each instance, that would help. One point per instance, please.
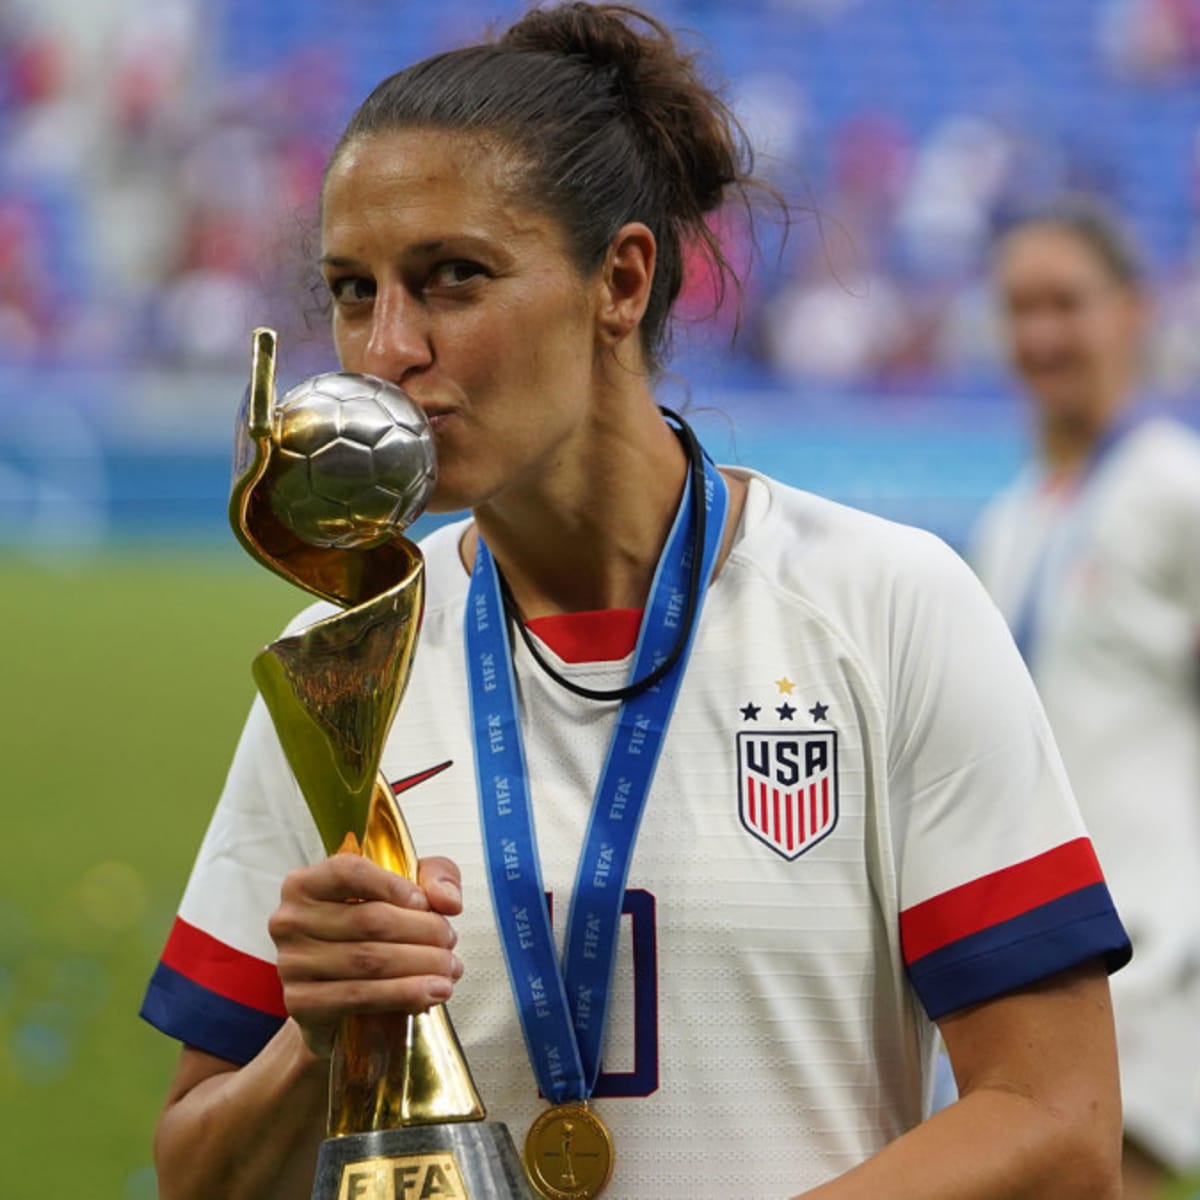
(369, 921)
(356, 962)
(442, 884)
(351, 877)
(317, 1001)
(352, 937)
(324, 982)
(319, 1008)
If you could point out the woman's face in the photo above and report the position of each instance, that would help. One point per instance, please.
(465, 298)
(1073, 329)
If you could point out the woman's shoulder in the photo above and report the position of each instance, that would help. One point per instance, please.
(876, 587)
(1164, 443)
(790, 531)
(1154, 477)
(445, 576)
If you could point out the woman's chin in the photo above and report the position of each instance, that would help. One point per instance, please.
(447, 498)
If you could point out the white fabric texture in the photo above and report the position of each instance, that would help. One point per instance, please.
(787, 1042)
(1115, 653)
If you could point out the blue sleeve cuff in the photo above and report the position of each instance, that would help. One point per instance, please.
(1012, 954)
(204, 1019)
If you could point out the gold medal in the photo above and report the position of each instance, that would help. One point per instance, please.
(568, 1153)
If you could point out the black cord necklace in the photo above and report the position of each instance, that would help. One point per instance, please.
(695, 585)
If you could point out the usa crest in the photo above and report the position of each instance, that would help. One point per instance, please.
(788, 787)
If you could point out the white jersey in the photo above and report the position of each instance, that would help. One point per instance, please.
(858, 822)
(1103, 574)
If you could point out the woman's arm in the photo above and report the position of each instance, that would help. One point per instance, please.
(250, 1131)
(351, 937)
(1039, 1113)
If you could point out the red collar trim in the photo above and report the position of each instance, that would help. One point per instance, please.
(607, 635)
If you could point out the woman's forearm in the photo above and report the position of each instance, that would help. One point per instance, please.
(993, 1144)
(247, 1134)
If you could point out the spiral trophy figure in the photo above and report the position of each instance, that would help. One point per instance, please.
(324, 483)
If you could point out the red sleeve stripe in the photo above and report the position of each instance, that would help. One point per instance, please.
(997, 897)
(241, 977)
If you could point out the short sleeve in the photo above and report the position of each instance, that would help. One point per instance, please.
(216, 987)
(998, 883)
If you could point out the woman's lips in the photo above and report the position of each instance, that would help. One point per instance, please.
(437, 417)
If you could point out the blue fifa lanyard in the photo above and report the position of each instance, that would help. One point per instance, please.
(1063, 544)
(562, 1009)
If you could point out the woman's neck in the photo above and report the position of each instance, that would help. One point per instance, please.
(588, 535)
(1068, 439)
(591, 539)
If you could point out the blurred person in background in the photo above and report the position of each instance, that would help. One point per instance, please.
(1093, 555)
(504, 232)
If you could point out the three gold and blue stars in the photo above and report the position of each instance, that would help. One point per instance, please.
(786, 711)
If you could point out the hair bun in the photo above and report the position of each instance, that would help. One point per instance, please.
(659, 86)
(597, 34)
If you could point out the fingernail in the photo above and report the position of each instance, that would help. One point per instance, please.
(416, 899)
(440, 989)
(456, 967)
(451, 890)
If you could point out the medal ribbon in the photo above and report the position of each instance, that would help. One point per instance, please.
(562, 1009)
(1064, 543)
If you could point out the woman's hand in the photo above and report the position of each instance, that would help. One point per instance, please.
(353, 937)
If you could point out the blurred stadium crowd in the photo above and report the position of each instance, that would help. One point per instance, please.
(160, 162)
(160, 159)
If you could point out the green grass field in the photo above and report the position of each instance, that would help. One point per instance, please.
(125, 682)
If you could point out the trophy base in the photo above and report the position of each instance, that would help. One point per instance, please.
(470, 1160)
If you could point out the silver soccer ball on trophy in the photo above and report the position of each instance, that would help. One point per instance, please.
(355, 461)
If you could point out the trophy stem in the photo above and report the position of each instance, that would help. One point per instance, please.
(393, 1070)
(332, 690)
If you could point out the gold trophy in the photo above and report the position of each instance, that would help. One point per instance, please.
(324, 483)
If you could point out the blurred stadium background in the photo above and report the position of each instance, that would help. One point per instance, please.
(159, 161)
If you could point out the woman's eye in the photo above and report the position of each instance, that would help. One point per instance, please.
(351, 289)
(455, 273)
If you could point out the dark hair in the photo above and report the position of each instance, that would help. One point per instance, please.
(611, 118)
(1095, 225)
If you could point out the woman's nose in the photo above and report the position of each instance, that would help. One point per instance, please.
(399, 341)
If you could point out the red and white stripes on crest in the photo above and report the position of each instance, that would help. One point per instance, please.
(789, 818)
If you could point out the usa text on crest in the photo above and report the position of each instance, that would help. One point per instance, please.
(787, 787)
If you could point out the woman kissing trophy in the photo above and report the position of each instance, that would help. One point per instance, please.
(324, 484)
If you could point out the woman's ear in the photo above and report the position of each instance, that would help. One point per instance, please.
(627, 277)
